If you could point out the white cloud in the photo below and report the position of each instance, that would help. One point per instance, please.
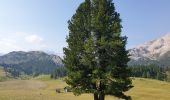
(35, 39)
(8, 45)
(21, 41)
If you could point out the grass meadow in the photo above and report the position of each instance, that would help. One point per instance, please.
(43, 88)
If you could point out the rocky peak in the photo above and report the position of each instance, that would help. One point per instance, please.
(152, 49)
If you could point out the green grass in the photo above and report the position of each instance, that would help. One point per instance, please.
(2, 74)
(43, 78)
(1, 71)
(43, 88)
(148, 89)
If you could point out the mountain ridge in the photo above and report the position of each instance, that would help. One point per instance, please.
(152, 52)
(30, 62)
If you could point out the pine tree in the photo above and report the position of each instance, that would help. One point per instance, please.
(96, 57)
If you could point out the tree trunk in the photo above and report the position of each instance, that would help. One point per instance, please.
(96, 96)
(102, 96)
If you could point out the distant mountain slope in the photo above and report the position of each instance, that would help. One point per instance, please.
(1, 54)
(153, 52)
(30, 62)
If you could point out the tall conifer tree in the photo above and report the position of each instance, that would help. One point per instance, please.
(96, 57)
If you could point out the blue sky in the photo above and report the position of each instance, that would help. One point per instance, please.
(42, 24)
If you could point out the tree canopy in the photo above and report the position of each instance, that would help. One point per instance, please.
(96, 57)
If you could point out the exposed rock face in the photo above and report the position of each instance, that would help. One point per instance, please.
(152, 52)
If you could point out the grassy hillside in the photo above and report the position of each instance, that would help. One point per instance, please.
(148, 89)
(1, 71)
(2, 74)
(42, 88)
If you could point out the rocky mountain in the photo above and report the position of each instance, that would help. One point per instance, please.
(156, 51)
(30, 62)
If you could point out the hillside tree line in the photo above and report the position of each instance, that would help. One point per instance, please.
(151, 71)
